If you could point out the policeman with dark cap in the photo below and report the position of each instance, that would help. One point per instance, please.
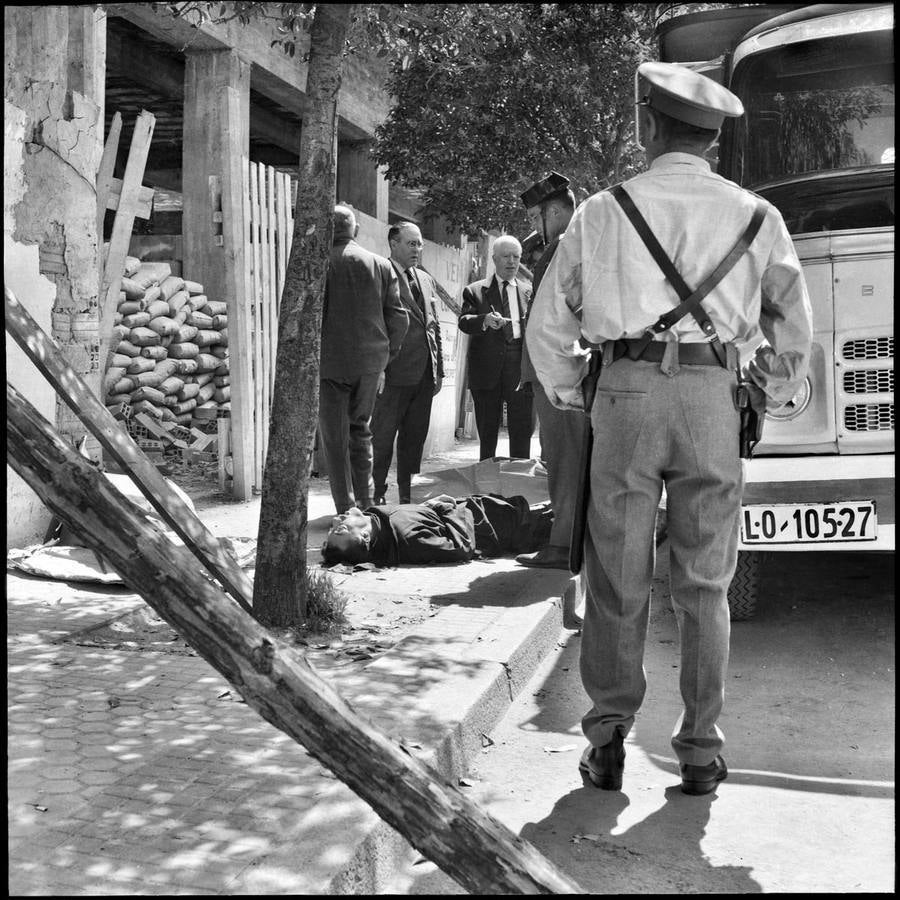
(681, 275)
(550, 204)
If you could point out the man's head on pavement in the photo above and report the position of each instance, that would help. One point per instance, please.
(345, 225)
(681, 111)
(507, 253)
(348, 538)
(405, 241)
(549, 204)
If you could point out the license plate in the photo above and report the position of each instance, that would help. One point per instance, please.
(807, 523)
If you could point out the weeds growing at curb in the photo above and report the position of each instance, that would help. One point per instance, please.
(325, 604)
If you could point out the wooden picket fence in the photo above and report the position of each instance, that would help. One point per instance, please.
(268, 228)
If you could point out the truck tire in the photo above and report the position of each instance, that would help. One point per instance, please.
(744, 588)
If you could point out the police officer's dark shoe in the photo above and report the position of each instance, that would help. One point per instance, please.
(703, 779)
(546, 558)
(603, 766)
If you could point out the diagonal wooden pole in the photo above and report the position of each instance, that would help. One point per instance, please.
(275, 680)
(50, 361)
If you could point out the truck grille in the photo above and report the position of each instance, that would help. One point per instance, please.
(868, 376)
(869, 348)
(869, 417)
(871, 381)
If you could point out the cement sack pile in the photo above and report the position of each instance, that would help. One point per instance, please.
(169, 350)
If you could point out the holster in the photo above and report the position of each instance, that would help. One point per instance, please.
(752, 418)
(583, 492)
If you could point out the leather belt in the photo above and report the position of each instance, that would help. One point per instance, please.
(694, 354)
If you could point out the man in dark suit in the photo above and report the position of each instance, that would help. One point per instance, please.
(363, 324)
(493, 314)
(550, 205)
(414, 376)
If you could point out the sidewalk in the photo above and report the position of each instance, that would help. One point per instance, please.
(133, 768)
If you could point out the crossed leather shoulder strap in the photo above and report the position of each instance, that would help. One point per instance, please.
(691, 301)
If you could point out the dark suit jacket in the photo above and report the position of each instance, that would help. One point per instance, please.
(487, 349)
(423, 337)
(363, 320)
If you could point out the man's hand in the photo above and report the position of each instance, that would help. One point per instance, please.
(380, 383)
(494, 320)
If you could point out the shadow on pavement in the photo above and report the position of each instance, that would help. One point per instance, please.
(660, 854)
(516, 586)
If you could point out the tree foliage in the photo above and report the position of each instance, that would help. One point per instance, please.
(541, 87)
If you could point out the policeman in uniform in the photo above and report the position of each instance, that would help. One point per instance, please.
(550, 204)
(664, 412)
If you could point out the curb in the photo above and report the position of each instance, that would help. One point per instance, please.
(447, 719)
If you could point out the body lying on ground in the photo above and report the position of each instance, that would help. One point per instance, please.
(440, 530)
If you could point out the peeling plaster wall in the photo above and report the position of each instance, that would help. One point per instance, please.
(52, 147)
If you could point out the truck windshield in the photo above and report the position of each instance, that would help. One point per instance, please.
(815, 106)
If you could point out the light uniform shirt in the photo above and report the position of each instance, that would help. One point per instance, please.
(603, 266)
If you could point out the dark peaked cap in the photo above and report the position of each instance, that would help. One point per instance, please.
(545, 189)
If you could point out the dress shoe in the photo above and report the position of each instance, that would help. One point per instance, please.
(380, 500)
(703, 779)
(546, 558)
(604, 766)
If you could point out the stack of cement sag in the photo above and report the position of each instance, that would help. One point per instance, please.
(169, 349)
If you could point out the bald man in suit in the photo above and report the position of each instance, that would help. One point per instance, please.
(363, 325)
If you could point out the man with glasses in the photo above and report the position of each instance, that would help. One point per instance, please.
(414, 376)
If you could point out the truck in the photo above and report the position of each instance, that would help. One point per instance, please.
(817, 141)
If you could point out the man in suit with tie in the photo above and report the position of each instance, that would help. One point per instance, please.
(414, 376)
(493, 314)
(363, 325)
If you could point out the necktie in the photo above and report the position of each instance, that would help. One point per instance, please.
(414, 289)
(504, 297)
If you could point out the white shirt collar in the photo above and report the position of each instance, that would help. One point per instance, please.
(666, 160)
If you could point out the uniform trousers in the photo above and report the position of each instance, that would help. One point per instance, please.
(561, 431)
(402, 412)
(488, 404)
(650, 430)
(345, 409)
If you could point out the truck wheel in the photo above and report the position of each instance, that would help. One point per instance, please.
(744, 588)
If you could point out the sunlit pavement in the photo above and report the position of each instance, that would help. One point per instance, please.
(138, 770)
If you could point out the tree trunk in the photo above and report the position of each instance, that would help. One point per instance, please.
(274, 678)
(279, 595)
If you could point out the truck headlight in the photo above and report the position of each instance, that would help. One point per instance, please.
(794, 406)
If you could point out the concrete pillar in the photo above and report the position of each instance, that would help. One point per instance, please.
(216, 138)
(209, 76)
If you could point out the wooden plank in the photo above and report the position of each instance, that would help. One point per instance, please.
(238, 336)
(272, 309)
(284, 189)
(50, 361)
(121, 233)
(258, 376)
(143, 205)
(275, 680)
(222, 434)
(105, 177)
(268, 288)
